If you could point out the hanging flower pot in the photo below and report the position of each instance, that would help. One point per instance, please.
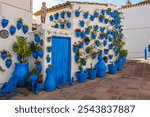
(19, 57)
(106, 21)
(110, 57)
(105, 59)
(106, 51)
(92, 17)
(87, 40)
(87, 31)
(77, 13)
(97, 43)
(81, 44)
(102, 29)
(105, 42)
(12, 30)
(96, 27)
(56, 26)
(108, 11)
(85, 15)
(82, 23)
(102, 12)
(56, 16)
(96, 14)
(106, 36)
(4, 54)
(116, 52)
(35, 55)
(4, 22)
(38, 65)
(62, 14)
(78, 32)
(102, 36)
(68, 14)
(68, 25)
(94, 35)
(110, 39)
(75, 47)
(110, 46)
(62, 25)
(19, 23)
(83, 35)
(25, 29)
(88, 49)
(49, 49)
(37, 38)
(81, 76)
(48, 59)
(40, 52)
(109, 32)
(76, 58)
(8, 63)
(51, 18)
(112, 68)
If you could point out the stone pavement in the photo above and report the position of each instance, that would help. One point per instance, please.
(133, 83)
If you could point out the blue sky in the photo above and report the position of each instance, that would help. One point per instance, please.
(37, 3)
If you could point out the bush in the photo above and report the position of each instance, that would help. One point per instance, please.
(123, 53)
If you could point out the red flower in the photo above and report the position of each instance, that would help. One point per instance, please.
(78, 30)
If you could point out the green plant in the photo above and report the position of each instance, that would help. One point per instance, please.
(94, 32)
(9, 56)
(25, 26)
(34, 71)
(50, 66)
(89, 27)
(49, 47)
(38, 48)
(36, 34)
(48, 56)
(99, 52)
(101, 16)
(22, 48)
(86, 39)
(3, 52)
(123, 53)
(20, 20)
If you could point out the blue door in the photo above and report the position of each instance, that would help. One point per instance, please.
(61, 58)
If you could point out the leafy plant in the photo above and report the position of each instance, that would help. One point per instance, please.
(94, 32)
(89, 27)
(48, 56)
(123, 53)
(20, 20)
(101, 16)
(49, 47)
(86, 39)
(34, 71)
(22, 48)
(3, 52)
(25, 26)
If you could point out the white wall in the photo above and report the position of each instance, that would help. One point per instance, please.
(12, 14)
(137, 29)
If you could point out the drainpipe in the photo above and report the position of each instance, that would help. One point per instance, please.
(145, 53)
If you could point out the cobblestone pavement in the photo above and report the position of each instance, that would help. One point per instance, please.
(131, 83)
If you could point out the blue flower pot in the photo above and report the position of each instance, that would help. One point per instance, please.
(106, 36)
(19, 25)
(87, 51)
(48, 60)
(50, 82)
(34, 77)
(8, 63)
(82, 23)
(56, 26)
(68, 25)
(109, 32)
(4, 22)
(97, 44)
(21, 71)
(105, 43)
(62, 15)
(37, 39)
(51, 18)
(85, 15)
(101, 19)
(92, 74)
(96, 14)
(19, 57)
(77, 13)
(76, 58)
(25, 30)
(56, 17)
(87, 31)
(40, 86)
(110, 39)
(81, 76)
(103, 12)
(112, 69)
(119, 66)
(110, 47)
(49, 50)
(83, 35)
(4, 56)
(106, 61)
(62, 26)
(87, 42)
(94, 36)
(102, 37)
(68, 14)
(35, 55)
(110, 57)
(101, 67)
(108, 12)
(40, 53)
(78, 34)
(102, 29)
(12, 30)
(80, 45)
(106, 21)
(96, 28)
(106, 51)
(75, 49)
(39, 67)
(92, 17)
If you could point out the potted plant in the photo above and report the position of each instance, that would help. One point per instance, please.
(5, 22)
(40, 51)
(8, 61)
(75, 47)
(19, 23)
(110, 56)
(1, 69)
(48, 58)
(25, 29)
(106, 20)
(37, 38)
(56, 25)
(108, 11)
(51, 17)
(82, 23)
(78, 32)
(33, 50)
(88, 29)
(110, 39)
(56, 16)
(38, 65)
(97, 43)
(112, 68)
(105, 58)
(77, 12)
(62, 14)
(34, 75)
(122, 55)
(12, 30)
(50, 82)
(87, 40)
(94, 34)
(4, 54)
(106, 51)
(68, 13)
(81, 44)
(103, 11)
(22, 48)
(101, 18)
(96, 27)
(68, 24)
(102, 29)
(83, 35)
(102, 36)
(105, 42)
(96, 13)
(88, 49)
(92, 17)
(85, 15)
(49, 49)
(111, 46)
